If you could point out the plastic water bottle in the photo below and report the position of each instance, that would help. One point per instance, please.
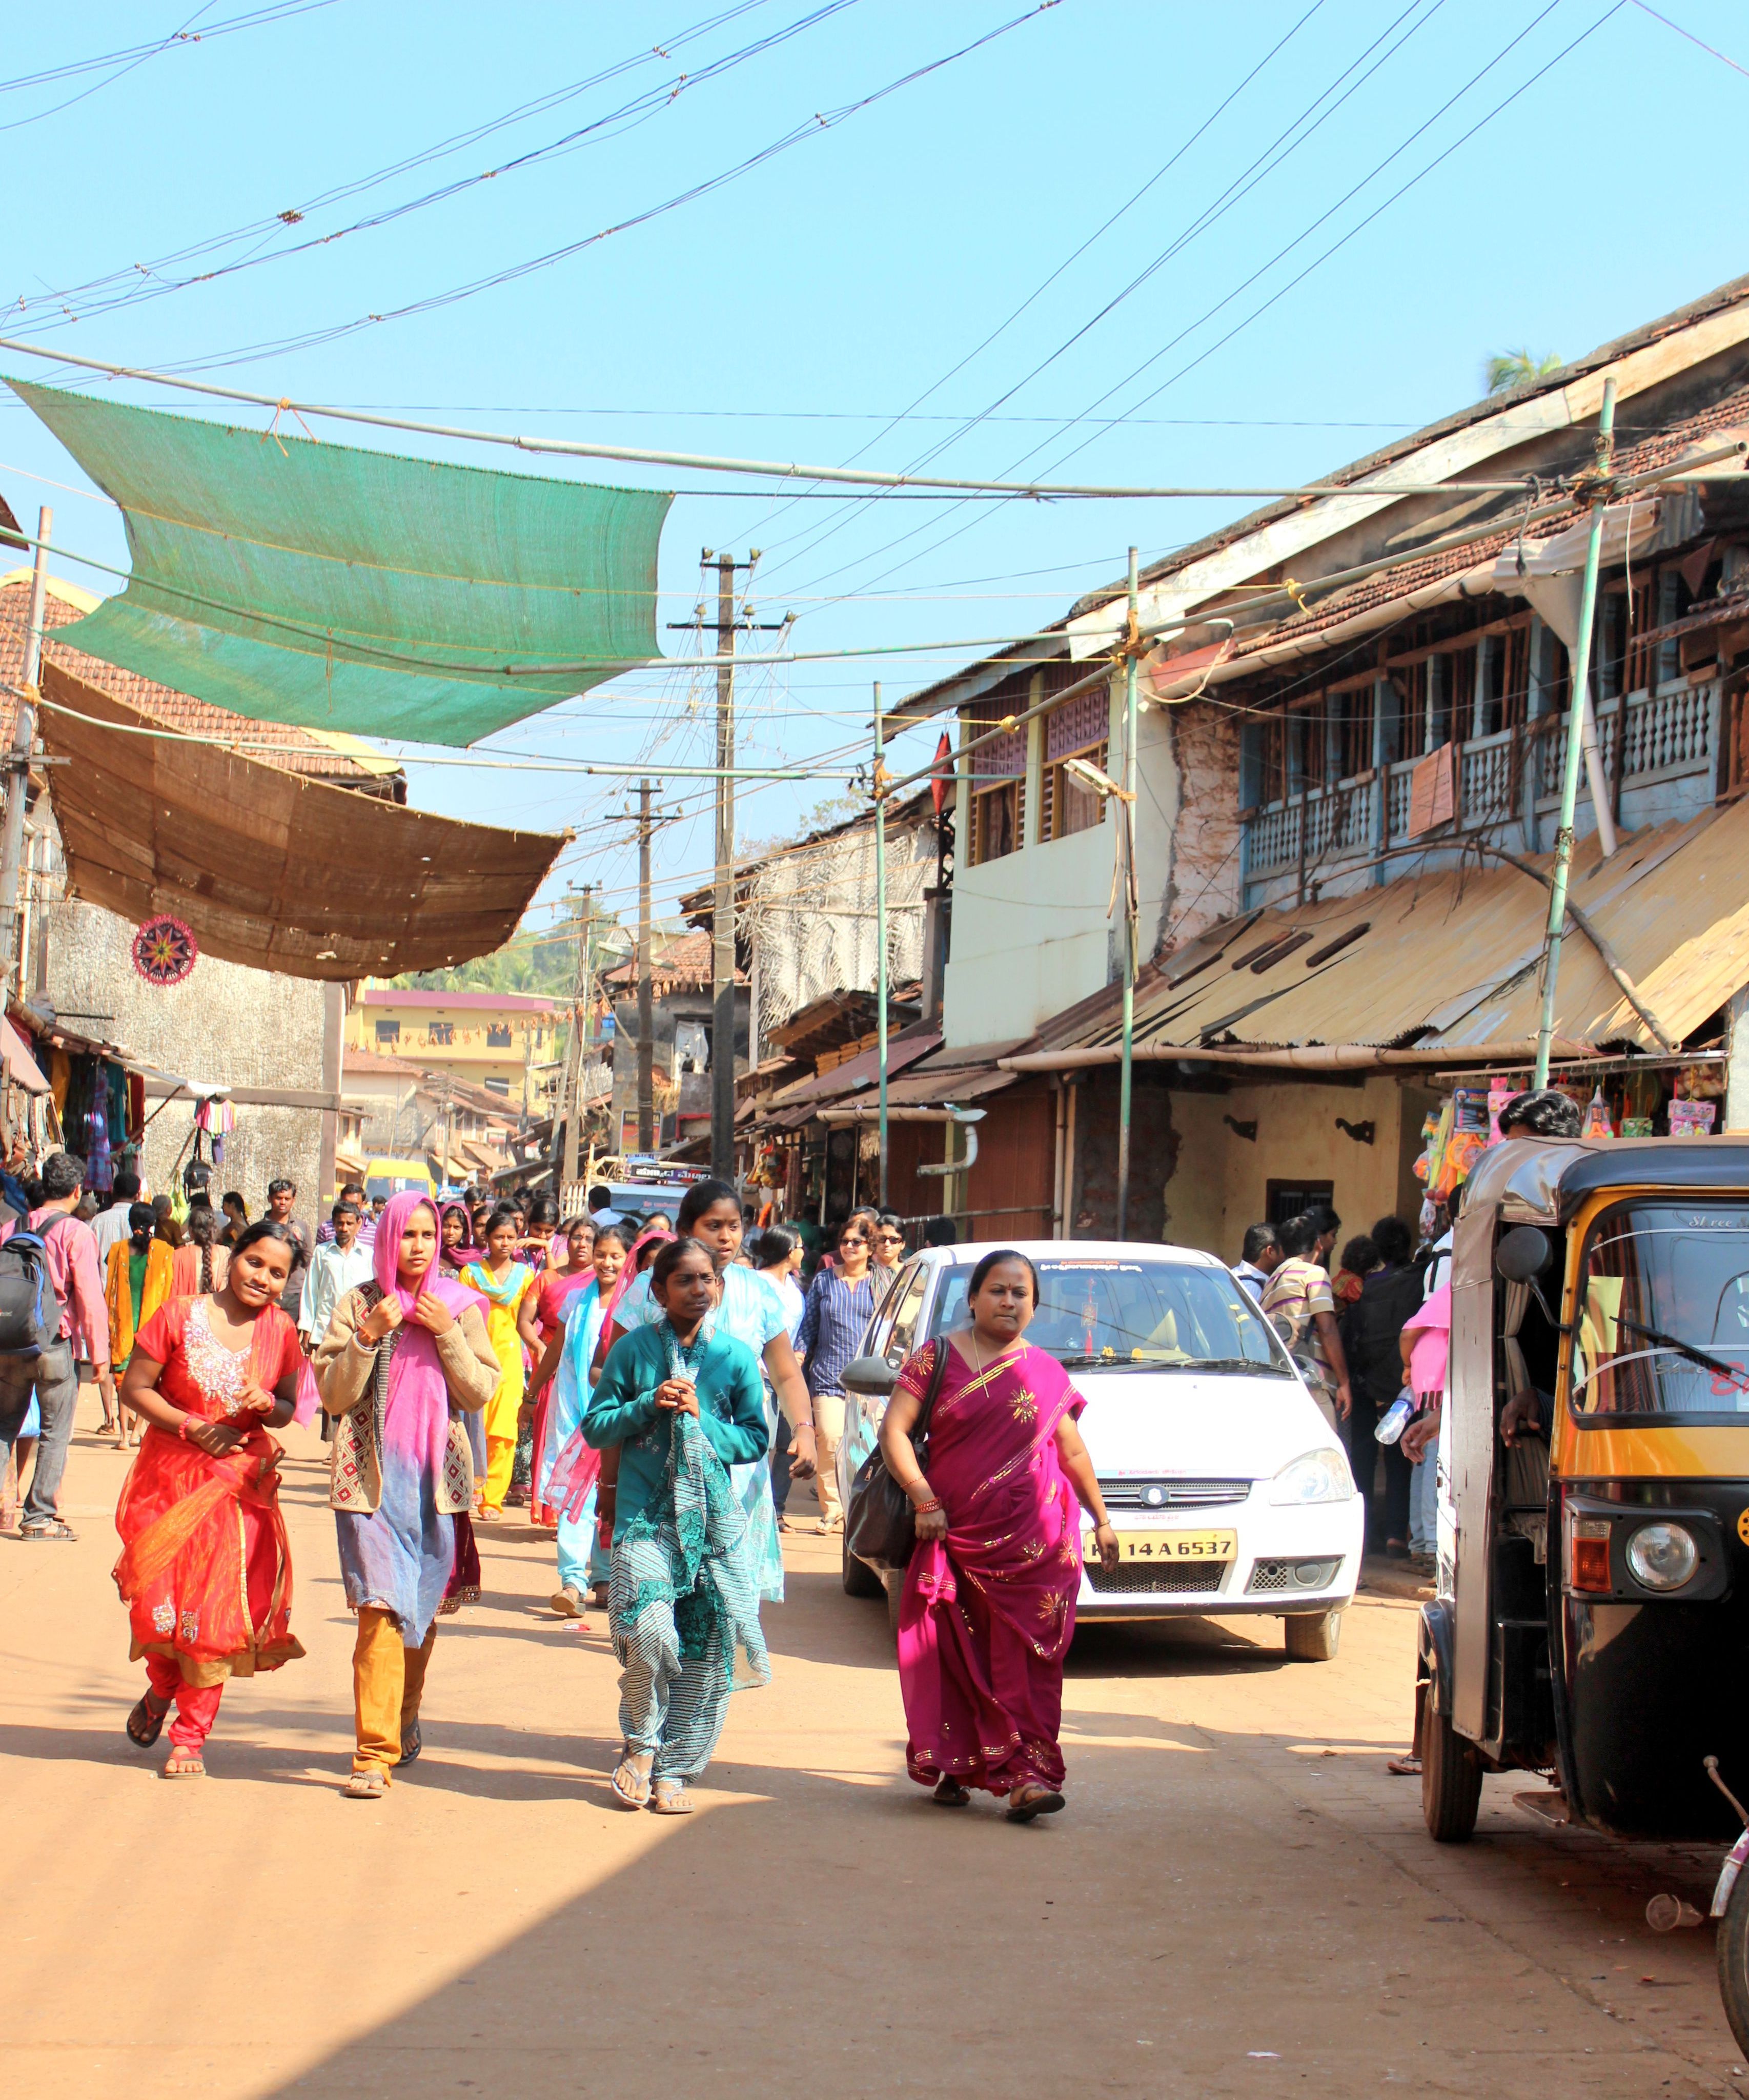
(1395, 1419)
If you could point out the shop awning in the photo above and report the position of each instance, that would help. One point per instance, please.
(270, 868)
(1447, 966)
(21, 1067)
(295, 581)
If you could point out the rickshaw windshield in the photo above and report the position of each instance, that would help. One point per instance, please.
(1663, 1313)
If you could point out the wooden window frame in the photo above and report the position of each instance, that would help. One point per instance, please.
(1054, 791)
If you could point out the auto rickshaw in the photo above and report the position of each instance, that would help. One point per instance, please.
(1591, 1622)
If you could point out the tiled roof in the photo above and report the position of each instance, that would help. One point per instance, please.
(684, 961)
(295, 750)
(1661, 450)
(372, 1062)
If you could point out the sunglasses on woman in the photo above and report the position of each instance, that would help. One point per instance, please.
(853, 1239)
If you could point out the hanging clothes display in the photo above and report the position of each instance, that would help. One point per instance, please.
(217, 1119)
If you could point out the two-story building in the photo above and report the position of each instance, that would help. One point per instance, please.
(488, 1039)
(1354, 727)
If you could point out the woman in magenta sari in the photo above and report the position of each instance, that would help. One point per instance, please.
(988, 1608)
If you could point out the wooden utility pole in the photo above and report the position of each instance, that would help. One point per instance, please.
(646, 1044)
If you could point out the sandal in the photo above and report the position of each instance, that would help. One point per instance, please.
(54, 1529)
(368, 1786)
(631, 1787)
(183, 1764)
(411, 1743)
(949, 1793)
(1032, 1800)
(670, 1797)
(145, 1723)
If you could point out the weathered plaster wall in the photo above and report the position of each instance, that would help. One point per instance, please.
(1205, 868)
(233, 1026)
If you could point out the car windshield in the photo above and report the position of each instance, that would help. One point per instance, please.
(1113, 1312)
(1663, 1324)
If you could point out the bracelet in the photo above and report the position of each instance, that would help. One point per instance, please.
(923, 1509)
(181, 1427)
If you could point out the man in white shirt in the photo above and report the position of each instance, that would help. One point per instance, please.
(601, 1210)
(1259, 1260)
(108, 1226)
(337, 1266)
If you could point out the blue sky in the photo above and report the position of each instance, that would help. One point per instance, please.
(794, 311)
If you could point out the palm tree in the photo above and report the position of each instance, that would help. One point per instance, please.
(1514, 368)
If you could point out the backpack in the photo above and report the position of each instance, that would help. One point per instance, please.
(29, 1311)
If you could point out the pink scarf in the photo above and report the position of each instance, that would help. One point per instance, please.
(386, 1253)
(415, 1422)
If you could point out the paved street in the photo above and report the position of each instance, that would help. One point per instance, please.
(1239, 1900)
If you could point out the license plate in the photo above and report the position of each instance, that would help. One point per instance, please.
(1176, 1545)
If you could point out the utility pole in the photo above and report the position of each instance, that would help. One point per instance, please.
(1602, 486)
(1131, 905)
(880, 825)
(646, 1035)
(723, 909)
(570, 1103)
(18, 766)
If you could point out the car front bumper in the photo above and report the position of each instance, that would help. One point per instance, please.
(1273, 1545)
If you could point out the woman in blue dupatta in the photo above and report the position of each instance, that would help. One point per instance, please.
(684, 1405)
(566, 1469)
(749, 1309)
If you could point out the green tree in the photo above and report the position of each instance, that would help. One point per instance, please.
(1507, 369)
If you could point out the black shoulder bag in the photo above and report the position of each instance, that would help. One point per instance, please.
(881, 1524)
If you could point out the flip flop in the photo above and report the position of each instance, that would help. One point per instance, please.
(411, 1743)
(1044, 1802)
(366, 1785)
(669, 1798)
(183, 1764)
(145, 1723)
(630, 1787)
(949, 1793)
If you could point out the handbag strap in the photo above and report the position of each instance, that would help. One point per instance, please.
(920, 1429)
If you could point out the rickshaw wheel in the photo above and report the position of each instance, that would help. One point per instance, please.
(1451, 1777)
(1733, 1961)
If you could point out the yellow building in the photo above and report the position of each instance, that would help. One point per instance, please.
(491, 1040)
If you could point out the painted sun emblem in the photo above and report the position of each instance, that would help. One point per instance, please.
(165, 950)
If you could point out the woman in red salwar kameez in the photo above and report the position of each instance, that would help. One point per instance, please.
(205, 1570)
(988, 1607)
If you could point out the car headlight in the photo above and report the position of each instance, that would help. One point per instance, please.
(1319, 1476)
(1663, 1556)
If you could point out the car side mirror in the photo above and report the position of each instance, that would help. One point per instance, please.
(1522, 1255)
(870, 1378)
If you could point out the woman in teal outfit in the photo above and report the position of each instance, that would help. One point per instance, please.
(749, 1309)
(684, 1405)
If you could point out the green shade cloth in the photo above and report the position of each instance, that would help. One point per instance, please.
(293, 581)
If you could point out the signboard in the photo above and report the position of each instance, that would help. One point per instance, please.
(1432, 792)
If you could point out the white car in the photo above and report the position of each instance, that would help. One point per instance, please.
(1228, 1491)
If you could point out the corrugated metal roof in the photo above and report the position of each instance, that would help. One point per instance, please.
(1451, 960)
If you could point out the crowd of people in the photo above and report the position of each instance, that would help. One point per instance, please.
(651, 1391)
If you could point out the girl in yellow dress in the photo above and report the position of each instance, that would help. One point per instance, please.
(502, 1281)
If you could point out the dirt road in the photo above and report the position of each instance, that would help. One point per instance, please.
(1239, 1900)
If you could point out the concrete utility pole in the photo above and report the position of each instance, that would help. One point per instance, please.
(570, 1104)
(880, 832)
(1126, 817)
(18, 766)
(646, 1042)
(722, 908)
(723, 912)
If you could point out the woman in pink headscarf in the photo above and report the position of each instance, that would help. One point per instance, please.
(405, 1357)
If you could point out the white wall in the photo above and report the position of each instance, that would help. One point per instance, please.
(1032, 932)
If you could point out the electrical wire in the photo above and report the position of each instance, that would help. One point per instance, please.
(127, 61)
(1318, 261)
(814, 127)
(651, 102)
(357, 186)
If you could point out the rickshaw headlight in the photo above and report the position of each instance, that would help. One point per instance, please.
(1318, 1476)
(1663, 1556)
